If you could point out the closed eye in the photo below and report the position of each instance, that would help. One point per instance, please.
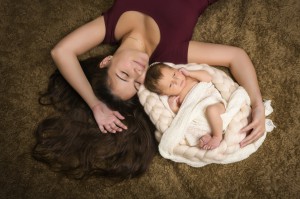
(173, 76)
(123, 76)
(125, 73)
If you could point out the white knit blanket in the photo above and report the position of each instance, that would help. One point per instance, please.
(179, 134)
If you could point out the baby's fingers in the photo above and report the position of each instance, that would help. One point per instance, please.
(184, 71)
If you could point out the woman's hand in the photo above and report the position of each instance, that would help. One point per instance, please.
(108, 120)
(243, 71)
(256, 127)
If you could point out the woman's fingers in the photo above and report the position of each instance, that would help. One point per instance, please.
(247, 128)
(255, 134)
(109, 128)
(118, 122)
(120, 125)
(115, 128)
(252, 137)
(112, 127)
(109, 121)
(118, 115)
(102, 129)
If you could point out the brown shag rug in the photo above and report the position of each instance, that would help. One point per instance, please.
(269, 30)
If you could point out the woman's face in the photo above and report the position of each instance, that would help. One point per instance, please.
(127, 72)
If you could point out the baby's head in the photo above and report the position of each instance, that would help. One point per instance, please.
(164, 80)
(153, 77)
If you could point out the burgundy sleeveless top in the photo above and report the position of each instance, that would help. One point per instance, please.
(176, 20)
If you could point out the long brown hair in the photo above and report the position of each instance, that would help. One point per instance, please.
(71, 141)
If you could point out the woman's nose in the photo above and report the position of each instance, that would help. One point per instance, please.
(138, 71)
(141, 78)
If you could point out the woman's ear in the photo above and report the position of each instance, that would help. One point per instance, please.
(104, 63)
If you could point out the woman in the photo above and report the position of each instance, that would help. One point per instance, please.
(149, 31)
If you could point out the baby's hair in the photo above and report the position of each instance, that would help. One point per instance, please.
(153, 76)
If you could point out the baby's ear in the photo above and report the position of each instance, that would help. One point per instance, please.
(104, 63)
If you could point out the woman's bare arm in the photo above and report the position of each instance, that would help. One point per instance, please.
(243, 71)
(65, 55)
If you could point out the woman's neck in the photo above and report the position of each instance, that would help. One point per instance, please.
(142, 28)
(138, 42)
(134, 41)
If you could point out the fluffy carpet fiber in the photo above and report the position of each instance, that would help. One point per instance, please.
(267, 29)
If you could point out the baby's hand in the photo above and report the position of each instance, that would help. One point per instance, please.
(174, 103)
(200, 75)
(185, 72)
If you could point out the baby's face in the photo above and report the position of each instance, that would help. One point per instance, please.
(172, 82)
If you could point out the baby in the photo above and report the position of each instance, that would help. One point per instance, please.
(176, 83)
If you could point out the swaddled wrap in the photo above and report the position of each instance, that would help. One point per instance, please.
(179, 134)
